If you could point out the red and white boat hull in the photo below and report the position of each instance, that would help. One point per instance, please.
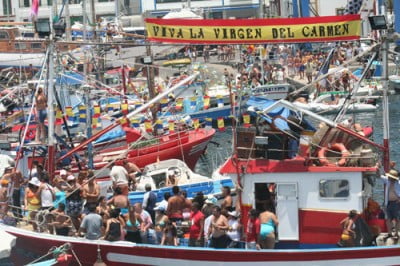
(31, 245)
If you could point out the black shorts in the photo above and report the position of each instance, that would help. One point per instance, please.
(220, 242)
(62, 231)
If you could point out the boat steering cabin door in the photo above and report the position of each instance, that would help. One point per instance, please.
(287, 211)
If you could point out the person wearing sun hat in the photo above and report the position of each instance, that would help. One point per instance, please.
(392, 200)
(32, 199)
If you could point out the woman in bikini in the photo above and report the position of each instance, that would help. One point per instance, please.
(268, 222)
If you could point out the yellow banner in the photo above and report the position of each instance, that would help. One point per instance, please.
(316, 29)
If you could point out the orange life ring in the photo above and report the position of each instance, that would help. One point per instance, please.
(337, 147)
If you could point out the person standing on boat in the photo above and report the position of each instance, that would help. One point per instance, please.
(217, 230)
(268, 222)
(41, 107)
(119, 200)
(90, 191)
(3, 198)
(32, 200)
(176, 204)
(235, 230)
(392, 200)
(15, 176)
(348, 234)
(145, 229)
(133, 171)
(160, 222)
(62, 222)
(196, 226)
(91, 224)
(227, 203)
(149, 201)
(113, 227)
(120, 178)
(74, 201)
(252, 229)
(133, 225)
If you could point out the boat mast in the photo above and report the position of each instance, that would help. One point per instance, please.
(385, 101)
(50, 100)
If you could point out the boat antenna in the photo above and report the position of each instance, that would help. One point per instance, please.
(99, 260)
(235, 156)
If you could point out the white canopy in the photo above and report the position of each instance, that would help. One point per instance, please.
(183, 13)
(6, 243)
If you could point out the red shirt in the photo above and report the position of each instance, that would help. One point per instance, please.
(195, 218)
(252, 229)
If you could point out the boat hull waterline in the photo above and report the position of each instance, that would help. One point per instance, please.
(31, 245)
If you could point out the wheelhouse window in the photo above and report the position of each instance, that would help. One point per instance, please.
(20, 46)
(36, 45)
(336, 188)
(4, 35)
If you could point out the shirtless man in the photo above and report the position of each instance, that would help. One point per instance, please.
(217, 230)
(13, 175)
(3, 198)
(90, 191)
(227, 204)
(171, 179)
(176, 204)
(62, 222)
(41, 106)
(132, 170)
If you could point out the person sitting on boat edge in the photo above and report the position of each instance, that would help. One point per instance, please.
(392, 200)
(348, 234)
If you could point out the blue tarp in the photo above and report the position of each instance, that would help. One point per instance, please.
(260, 103)
(70, 79)
(114, 134)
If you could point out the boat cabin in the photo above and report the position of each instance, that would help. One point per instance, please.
(310, 179)
(11, 41)
(309, 201)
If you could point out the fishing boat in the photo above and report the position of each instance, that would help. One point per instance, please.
(331, 172)
(156, 174)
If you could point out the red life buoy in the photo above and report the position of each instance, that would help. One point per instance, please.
(336, 147)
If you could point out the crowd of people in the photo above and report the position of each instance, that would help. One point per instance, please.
(82, 211)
